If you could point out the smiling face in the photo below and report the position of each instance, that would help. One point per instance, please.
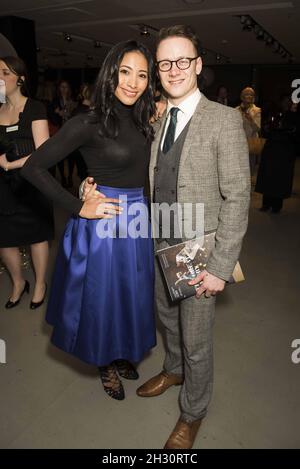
(179, 84)
(133, 78)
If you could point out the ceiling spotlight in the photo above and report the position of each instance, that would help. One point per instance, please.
(144, 30)
(260, 34)
(269, 40)
(248, 25)
(218, 57)
(97, 44)
(67, 37)
(276, 46)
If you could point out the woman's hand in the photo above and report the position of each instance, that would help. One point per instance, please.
(96, 205)
(4, 164)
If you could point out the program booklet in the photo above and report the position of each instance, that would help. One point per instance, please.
(183, 262)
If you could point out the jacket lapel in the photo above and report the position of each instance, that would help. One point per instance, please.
(192, 131)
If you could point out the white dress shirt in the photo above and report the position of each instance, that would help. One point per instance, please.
(186, 110)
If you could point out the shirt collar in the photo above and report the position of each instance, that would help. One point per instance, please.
(189, 105)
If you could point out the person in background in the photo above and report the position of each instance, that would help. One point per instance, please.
(26, 217)
(251, 115)
(222, 95)
(276, 170)
(59, 112)
(83, 106)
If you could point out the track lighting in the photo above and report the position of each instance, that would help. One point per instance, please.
(67, 37)
(144, 31)
(249, 24)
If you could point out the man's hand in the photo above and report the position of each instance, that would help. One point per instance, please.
(96, 205)
(210, 284)
(159, 111)
(86, 187)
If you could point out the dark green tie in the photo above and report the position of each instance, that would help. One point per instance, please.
(170, 134)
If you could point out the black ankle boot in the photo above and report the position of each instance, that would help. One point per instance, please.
(111, 382)
(126, 369)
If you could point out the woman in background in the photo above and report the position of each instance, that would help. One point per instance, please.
(25, 214)
(276, 169)
(59, 111)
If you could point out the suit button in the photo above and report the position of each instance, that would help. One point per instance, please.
(156, 168)
(172, 191)
(173, 169)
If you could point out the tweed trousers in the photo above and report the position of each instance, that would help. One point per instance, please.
(189, 345)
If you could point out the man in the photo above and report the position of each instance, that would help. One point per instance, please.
(199, 155)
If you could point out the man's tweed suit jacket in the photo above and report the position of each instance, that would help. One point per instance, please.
(214, 170)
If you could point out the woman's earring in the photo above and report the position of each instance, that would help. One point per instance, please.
(20, 82)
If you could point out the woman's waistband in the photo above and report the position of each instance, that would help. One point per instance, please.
(131, 193)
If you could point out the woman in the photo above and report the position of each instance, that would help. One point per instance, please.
(251, 115)
(101, 303)
(25, 214)
(84, 105)
(276, 169)
(59, 111)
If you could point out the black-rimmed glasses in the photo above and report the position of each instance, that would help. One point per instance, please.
(183, 63)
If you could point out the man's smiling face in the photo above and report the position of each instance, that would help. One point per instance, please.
(179, 84)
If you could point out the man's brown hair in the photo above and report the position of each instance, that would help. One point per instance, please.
(179, 30)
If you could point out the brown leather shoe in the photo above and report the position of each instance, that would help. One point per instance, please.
(158, 384)
(183, 435)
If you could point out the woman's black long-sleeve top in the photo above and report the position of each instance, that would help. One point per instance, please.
(120, 162)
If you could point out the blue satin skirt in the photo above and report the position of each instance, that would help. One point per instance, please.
(102, 295)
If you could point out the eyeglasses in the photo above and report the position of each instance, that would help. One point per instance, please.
(183, 63)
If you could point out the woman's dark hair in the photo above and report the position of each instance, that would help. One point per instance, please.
(18, 68)
(103, 99)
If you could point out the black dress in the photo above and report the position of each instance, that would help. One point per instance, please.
(276, 169)
(25, 214)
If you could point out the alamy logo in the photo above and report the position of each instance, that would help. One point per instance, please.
(2, 351)
(296, 353)
(296, 92)
(168, 220)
